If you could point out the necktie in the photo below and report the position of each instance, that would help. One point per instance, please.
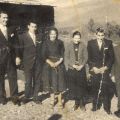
(34, 39)
(100, 44)
(5, 32)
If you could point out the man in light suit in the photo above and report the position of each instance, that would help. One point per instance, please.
(30, 43)
(8, 59)
(100, 61)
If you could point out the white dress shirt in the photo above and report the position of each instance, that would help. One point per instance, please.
(33, 36)
(99, 43)
(4, 31)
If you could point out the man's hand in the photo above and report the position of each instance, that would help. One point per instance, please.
(88, 76)
(113, 78)
(103, 69)
(96, 70)
(18, 61)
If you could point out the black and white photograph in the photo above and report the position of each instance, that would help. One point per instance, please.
(59, 60)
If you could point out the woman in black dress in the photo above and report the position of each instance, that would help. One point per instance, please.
(75, 60)
(53, 75)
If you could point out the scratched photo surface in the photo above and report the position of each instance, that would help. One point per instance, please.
(67, 16)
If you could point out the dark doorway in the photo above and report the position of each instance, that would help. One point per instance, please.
(20, 14)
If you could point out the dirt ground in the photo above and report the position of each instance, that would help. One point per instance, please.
(32, 111)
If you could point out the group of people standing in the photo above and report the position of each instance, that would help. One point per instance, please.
(47, 65)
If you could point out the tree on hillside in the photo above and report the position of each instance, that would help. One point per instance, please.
(91, 25)
(117, 30)
(109, 30)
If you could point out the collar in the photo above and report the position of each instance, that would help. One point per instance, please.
(76, 45)
(100, 41)
(31, 34)
(3, 27)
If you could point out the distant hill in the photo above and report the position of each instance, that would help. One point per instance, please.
(83, 11)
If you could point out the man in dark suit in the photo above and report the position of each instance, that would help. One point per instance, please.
(8, 59)
(116, 74)
(30, 43)
(100, 61)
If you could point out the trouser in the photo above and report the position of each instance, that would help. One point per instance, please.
(105, 95)
(33, 77)
(12, 77)
(118, 90)
(102, 99)
(38, 82)
(10, 69)
(29, 84)
(2, 81)
(80, 102)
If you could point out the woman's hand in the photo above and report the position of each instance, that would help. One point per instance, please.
(74, 66)
(79, 67)
(58, 62)
(50, 63)
(18, 61)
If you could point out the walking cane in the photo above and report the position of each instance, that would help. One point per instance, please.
(101, 81)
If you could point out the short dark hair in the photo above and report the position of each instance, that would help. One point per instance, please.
(76, 33)
(99, 29)
(31, 21)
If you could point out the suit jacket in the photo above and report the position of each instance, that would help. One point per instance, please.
(29, 52)
(70, 55)
(95, 56)
(116, 65)
(9, 48)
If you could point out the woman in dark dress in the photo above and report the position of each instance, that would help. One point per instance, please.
(75, 60)
(53, 75)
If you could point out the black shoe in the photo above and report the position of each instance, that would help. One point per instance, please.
(82, 105)
(83, 108)
(16, 100)
(108, 112)
(3, 101)
(117, 113)
(75, 107)
(95, 108)
(37, 100)
(25, 100)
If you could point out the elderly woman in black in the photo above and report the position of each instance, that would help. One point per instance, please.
(75, 60)
(53, 75)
